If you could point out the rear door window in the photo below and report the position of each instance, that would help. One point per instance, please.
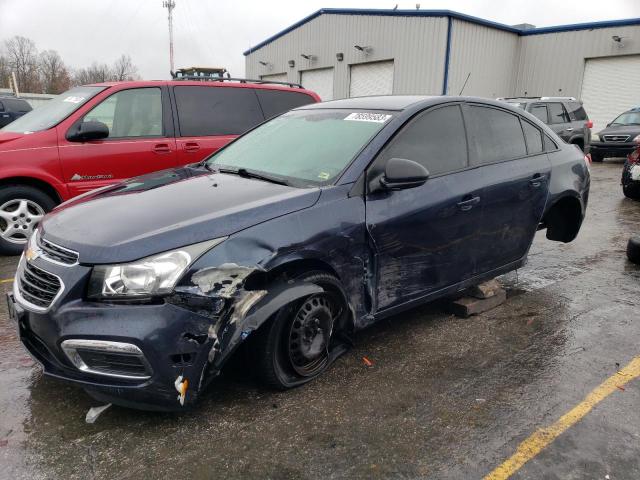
(436, 139)
(204, 111)
(540, 112)
(533, 137)
(275, 102)
(496, 135)
(576, 111)
(557, 113)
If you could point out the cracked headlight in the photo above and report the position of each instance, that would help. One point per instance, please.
(148, 277)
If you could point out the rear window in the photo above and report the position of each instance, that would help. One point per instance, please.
(576, 111)
(205, 111)
(16, 105)
(495, 135)
(275, 102)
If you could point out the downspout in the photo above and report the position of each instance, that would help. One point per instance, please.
(447, 57)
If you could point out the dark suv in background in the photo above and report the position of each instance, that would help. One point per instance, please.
(619, 138)
(564, 115)
(12, 108)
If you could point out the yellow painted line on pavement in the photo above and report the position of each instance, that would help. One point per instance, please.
(539, 440)
(6, 280)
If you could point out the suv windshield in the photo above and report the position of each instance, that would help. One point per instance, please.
(53, 111)
(303, 147)
(627, 118)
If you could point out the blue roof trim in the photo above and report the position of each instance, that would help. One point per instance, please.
(445, 13)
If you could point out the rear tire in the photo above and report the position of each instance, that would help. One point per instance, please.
(293, 348)
(633, 250)
(21, 208)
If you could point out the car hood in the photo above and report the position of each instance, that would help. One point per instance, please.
(167, 210)
(632, 130)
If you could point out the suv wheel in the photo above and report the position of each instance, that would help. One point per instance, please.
(21, 209)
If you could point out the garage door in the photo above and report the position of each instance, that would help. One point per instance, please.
(275, 77)
(609, 87)
(375, 78)
(319, 81)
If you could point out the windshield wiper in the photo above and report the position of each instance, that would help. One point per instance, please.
(243, 172)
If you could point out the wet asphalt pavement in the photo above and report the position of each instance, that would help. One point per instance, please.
(445, 398)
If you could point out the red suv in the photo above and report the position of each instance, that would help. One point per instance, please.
(96, 135)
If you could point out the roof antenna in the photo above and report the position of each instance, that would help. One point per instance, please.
(465, 84)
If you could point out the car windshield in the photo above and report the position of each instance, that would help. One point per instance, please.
(53, 111)
(302, 147)
(627, 118)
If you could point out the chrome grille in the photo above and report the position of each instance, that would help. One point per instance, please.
(38, 287)
(616, 138)
(56, 253)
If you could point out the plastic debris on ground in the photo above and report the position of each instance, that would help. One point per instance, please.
(367, 362)
(94, 413)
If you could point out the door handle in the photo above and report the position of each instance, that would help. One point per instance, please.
(191, 147)
(162, 148)
(570, 129)
(536, 181)
(468, 203)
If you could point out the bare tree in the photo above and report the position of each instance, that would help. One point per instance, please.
(23, 60)
(54, 73)
(5, 71)
(124, 69)
(96, 73)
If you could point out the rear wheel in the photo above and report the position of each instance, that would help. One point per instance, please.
(21, 209)
(633, 249)
(294, 348)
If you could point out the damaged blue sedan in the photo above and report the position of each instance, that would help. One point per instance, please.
(285, 242)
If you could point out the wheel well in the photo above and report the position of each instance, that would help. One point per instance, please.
(563, 220)
(579, 142)
(32, 182)
(290, 270)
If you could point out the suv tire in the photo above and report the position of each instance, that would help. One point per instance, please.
(633, 250)
(29, 205)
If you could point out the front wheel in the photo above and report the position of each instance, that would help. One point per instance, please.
(21, 209)
(295, 347)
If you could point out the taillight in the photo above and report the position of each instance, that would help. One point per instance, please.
(587, 159)
(589, 124)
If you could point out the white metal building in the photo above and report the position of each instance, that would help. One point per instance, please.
(345, 52)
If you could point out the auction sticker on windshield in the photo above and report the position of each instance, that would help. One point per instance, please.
(368, 117)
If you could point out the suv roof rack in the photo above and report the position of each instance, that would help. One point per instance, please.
(240, 80)
(572, 99)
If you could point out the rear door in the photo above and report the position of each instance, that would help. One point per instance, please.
(425, 237)
(508, 151)
(559, 120)
(209, 117)
(140, 140)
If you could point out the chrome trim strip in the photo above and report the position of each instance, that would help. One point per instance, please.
(43, 253)
(25, 303)
(70, 348)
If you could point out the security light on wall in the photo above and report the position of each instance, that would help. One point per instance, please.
(618, 39)
(292, 63)
(365, 50)
(339, 56)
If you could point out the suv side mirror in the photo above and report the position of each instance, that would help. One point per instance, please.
(89, 130)
(400, 173)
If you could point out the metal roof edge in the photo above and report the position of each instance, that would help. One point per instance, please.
(444, 13)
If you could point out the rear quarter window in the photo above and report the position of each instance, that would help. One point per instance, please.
(206, 111)
(533, 137)
(576, 111)
(275, 102)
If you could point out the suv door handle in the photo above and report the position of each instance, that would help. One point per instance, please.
(191, 146)
(162, 148)
(468, 203)
(570, 129)
(536, 181)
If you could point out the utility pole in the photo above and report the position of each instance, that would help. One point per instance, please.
(170, 5)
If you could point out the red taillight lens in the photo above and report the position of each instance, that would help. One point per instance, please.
(587, 159)
(589, 124)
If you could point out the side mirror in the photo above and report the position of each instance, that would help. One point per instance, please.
(400, 173)
(89, 130)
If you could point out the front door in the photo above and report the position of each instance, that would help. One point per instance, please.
(425, 237)
(509, 155)
(140, 141)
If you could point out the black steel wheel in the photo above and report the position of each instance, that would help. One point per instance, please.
(294, 347)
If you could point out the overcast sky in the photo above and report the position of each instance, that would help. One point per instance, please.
(216, 32)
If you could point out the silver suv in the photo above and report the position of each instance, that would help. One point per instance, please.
(565, 116)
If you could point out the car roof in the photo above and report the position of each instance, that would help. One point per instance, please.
(400, 102)
(202, 83)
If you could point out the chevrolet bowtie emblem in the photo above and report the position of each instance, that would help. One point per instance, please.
(31, 254)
